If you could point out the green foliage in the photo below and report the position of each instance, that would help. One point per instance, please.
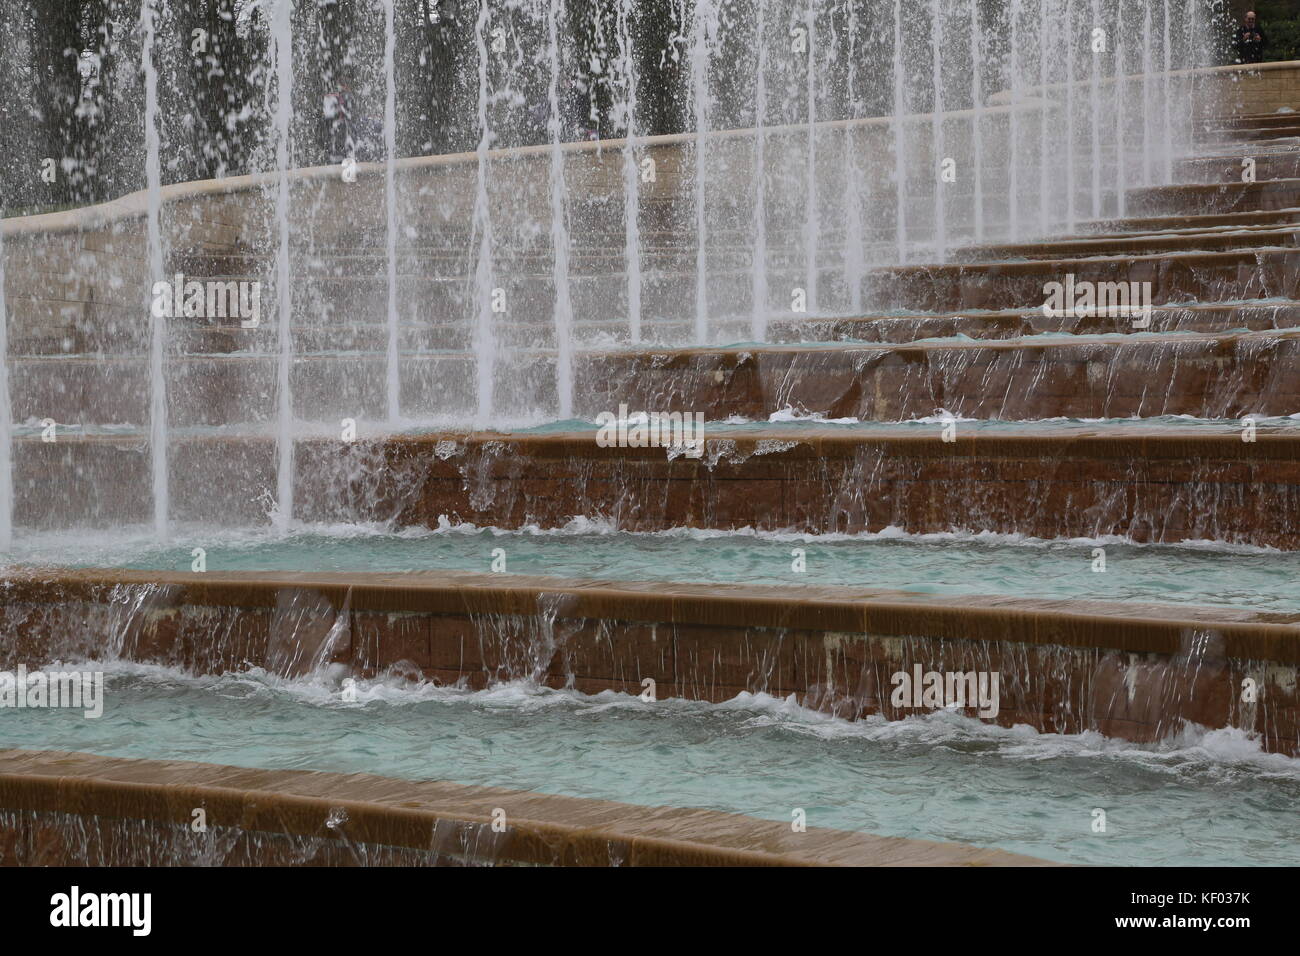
(1283, 39)
(1281, 22)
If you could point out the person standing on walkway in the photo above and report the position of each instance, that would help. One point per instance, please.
(1251, 40)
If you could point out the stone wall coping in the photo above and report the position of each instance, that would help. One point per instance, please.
(801, 441)
(1231, 71)
(1137, 627)
(431, 815)
(134, 206)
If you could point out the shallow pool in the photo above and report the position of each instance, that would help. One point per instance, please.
(1206, 798)
(930, 564)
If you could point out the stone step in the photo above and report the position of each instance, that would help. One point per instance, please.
(1251, 121)
(1009, 324)
(1251, 132)
(1220, 377)
(456, 335)
(82, 810)
(1203, 376)
(1275, 194)
(1065, 666)
(1173, 278)
(1230, 169)
(1134, 245)
(1190, 222)
(1160, 484)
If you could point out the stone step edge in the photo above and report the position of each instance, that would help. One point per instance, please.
(1057, 268)
(455, 819)
(797, 442)
(666, 357)
(808, 440)
(1134, 627)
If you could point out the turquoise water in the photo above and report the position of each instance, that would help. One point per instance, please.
(1211, 575)
(1205, 799)
(786, 423)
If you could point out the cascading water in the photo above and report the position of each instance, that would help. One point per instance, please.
(812, 219)
(1166, 102)
(1071, 117)
(977, 123)
(1148, 147)
(631, 177)
(559, 225)
(936, 131)
(392, 366)
(484, 335)
(1044, 122)
(1095, 113)
(158, 325)
(1121, 97)
(758, 323)
(753, 192)
(282, 44)
(1013, 120)
(855, 253)
(700, 101)
(897, 138)
(6, 419)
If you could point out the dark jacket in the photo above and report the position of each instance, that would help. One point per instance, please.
(1250, 44)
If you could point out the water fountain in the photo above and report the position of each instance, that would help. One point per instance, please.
(158, 326)
(6, 419)
(559, 209)
(559, 226)
(937, 153)
(897, 132)
(631, 173)
(812, 217)
(700, 102)
(282, 44)
(758, 292)
(484, 340)
(392, 365)
(776, 188)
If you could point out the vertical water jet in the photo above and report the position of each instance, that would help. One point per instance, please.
(559, 225)
(1147, 66)
(484, 335)
(6, 415)
(393, 367)
(758, 321)
(900, 161)
(1013, 123)
(631, 180)
(699, 79)
(1071, 141)
(854, 249)
(1121, 97)
(1044, 74)
(936, 131)
(282, 45)
(158, 324)
(1094, 110)
(1168, 102)
(977, 121)
(810, 172)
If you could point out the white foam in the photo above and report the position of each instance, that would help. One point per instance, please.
(788, 414)
(1189, 749)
